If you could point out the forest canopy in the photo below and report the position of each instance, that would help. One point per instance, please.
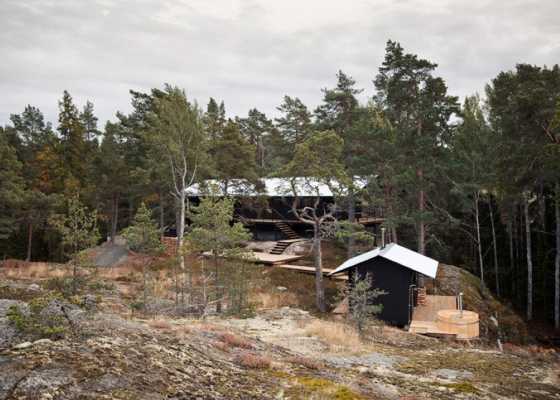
(475, 184)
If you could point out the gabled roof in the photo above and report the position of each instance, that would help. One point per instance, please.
(399, 254)
(273, 187)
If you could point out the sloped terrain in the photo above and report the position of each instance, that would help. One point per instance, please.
(113, 352)
(452, 280)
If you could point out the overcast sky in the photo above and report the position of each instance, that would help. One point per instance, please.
(252, 52)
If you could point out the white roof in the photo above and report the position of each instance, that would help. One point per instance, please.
(399, 254)
(272, 187)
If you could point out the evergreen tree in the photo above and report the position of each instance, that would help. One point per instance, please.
(234, 159)
(418, 106)
(212, 231)
(89, 122)
(255, 128)
(339, 112)
(11, 186)
(112, 174)
(295, 123)
(74, 147)
(522, 106)
(317, 163)
(470, 169)
(78, 228)
(143, 235)
(176, 135)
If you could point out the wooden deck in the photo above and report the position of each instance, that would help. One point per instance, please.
(362, 220)
(265, 258)
(272, 259)
(310, 270)
(424, 317)
(433, 305)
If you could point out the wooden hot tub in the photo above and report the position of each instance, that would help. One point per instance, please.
(464, 326)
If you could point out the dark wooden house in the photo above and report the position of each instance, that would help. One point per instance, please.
(393, 269)
(266, 207)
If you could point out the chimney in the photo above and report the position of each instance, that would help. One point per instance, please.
(382, 237)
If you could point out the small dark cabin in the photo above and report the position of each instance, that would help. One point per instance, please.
(393, 269)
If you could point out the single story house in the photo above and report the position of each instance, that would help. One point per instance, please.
(395, 270)
(265, 206)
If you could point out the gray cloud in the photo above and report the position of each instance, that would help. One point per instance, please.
(251, 53)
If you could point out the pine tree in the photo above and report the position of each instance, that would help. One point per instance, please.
(255, 128)
(78, 228)
(418, 106)
(143, 235)
(234, 159)
(212, 231)
(11, 186)
(316, 163)
(74, 147)
(295, 123)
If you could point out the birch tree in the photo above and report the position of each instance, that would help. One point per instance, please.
(178, 139)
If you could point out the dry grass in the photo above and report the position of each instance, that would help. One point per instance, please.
(160, 324)
(337, 335)
(270, 300)
(26, 270)
(182, 330)
(226, 348)
(305, 362)
(254, 361)
(235, 341)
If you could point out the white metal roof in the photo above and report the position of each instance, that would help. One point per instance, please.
(399, 254)
(273, 187)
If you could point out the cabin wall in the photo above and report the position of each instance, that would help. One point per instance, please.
(394, 279)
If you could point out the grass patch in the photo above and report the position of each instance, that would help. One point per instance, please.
(486, 367)
(462, 387)
(319, 388)
(337, 335)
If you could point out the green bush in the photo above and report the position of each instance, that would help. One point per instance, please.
(37, 322)
(67, 286)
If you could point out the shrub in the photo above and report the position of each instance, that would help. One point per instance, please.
(235, 341)
(222, 346)
(306, 362)
(66, 286)
(253, 361)
(361, 302)
(160, 324)
(40, 321)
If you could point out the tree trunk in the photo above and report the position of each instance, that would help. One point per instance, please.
(180, 235)
(421, 209)
(494, 245)
(29, 241)
(218, 287)
(351, 220)
(319, 290)
(511, 254)
(161, 215)
(389, 211)
(114, 217)
(557, 260)
(529, 259)
(478, 240)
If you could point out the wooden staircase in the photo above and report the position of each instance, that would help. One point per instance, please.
(280, 247)
(286, 230)
(422, 296)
